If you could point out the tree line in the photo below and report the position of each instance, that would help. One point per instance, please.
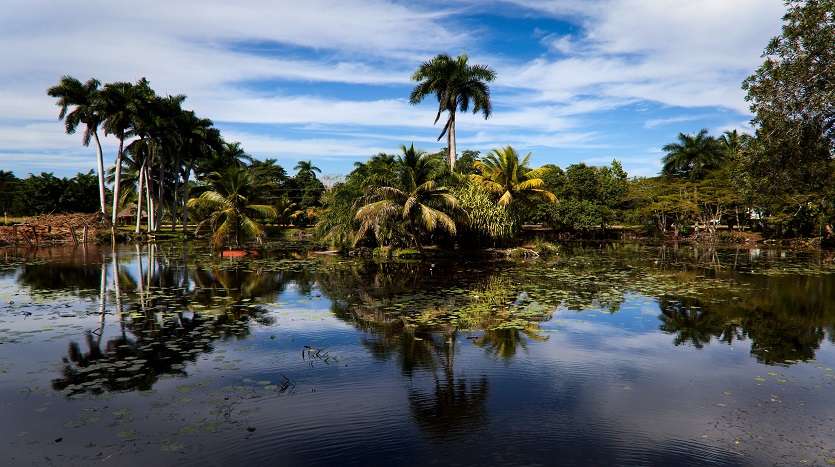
(164, 153)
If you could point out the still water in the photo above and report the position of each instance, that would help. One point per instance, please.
(607, 355)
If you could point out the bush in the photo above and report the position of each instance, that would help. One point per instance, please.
(482, 220)
(572, 215)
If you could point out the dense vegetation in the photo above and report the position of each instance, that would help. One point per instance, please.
(172, 166)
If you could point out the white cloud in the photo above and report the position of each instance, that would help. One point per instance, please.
(684, 53)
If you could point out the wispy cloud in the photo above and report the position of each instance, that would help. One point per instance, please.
(656, 122)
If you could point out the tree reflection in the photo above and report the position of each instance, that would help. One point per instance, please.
(171, 317)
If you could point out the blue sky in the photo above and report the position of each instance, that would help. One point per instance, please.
(328, 80)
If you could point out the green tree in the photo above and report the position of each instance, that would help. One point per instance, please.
(231, 209)
(693, 156)
(795, 85)
(503, 173)
(415, 206)
(306, 169)
(118, 108)
(9, 184)
(789, 171)
(81, 104)
(456, 84)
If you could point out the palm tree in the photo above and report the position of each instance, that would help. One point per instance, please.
(82, 104)
(416, 205)
(201, 141)
(456, 84)
(732, 141)
(693, 156)
(504, 174)
(119, 101)
(306, 169)
(229, 202)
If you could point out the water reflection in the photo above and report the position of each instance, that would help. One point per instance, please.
(172, 303)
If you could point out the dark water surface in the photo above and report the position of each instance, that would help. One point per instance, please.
(608, 355)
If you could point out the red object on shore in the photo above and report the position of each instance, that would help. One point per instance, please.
(235, 253)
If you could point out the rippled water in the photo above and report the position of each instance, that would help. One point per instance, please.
(607, 355)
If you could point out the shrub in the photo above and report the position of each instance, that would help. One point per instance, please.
(482, 220)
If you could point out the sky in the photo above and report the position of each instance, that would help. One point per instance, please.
(328, 80)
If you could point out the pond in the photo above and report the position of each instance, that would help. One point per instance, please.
(609, 354)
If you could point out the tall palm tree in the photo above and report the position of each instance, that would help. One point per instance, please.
(693, 156)
(231, 207)
(306, 169)
(81, 103)
(416, 204)
(202, 141)
(505, 175)
(456, 84)
(119, 106)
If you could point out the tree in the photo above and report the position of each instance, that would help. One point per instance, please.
(305, 188)
(82, 104)
(232, 212)
(456, 84)
(8, 191)
(415, 206)
(795, 85)
(306, 169)
(337, 224)
(790, 168)
(503, 173)
(693, 156)
(119, 105)
(733, 142)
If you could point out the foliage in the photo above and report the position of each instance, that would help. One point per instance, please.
(480, 221)
(693, 156)
(504, 174)
(456, 84)
(412, 209)
(789, 172)
(46, 193)
(230, 208)
(590, 197)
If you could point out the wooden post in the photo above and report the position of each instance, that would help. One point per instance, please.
(74, 238)
(28, 240)
(35, 234)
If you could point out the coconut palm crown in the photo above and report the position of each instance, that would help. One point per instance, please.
(416, 205)
(231, 211)
(693, 156)
(457, 85)
(503, 173)
(81, 103)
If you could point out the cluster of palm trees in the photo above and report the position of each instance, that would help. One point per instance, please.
(161, 145)
(409, 200)
(694, 156)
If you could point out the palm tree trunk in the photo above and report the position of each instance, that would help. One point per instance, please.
(117, 180)
(139, 197)
(149, 201)
(161, 192)
(186, 191)
(451, 140)
(100, 167)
